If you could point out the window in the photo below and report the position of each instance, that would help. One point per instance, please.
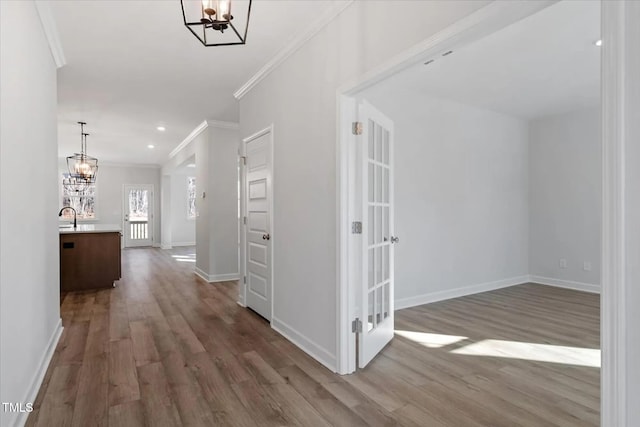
(191, 197)
(84, 202)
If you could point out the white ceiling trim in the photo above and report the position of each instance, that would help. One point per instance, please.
(292, 47)
(129, 165)
(223, 125)
(484, 21)
(51, 32)
(194, 133)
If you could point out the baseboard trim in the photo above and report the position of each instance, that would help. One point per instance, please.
(459, 292)
(36, 382)
(204, 276)
(307, 345)
(165, 246)
(567, 284)
(183, 243)
(223, 277)
(212, 278)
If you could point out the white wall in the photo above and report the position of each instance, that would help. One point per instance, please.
(223, 203)
(109, 192)
(630, 179)
(565, 163)
(216, 152)
(299, 98)
(29, 267)
(461, 196)
(183, 230)
(166, 212)
(201, 149)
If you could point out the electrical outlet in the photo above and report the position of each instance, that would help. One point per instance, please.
(586, 266)
(563, 263)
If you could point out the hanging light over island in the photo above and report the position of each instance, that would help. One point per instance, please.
(83, 169)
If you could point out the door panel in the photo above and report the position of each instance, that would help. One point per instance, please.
(258, 269)
(377, 248)
(138, 215)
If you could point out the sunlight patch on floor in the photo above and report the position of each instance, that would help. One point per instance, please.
(531, 351)
(185, 260)
(430, 340)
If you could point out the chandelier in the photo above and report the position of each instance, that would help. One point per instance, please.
(213, 24)
(83, 169)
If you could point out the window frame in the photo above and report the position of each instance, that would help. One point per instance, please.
(80, 216)
(190, 198)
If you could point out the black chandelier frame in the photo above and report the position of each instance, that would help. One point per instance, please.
(216, 25)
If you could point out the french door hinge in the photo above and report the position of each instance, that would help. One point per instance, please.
(244, 220)
(244, 279)
(356, 128)
(356, 326)
(243, 159)
(356, 227)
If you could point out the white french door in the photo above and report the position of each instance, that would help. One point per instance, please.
(378, 237)
(138, 215)
(257, 222)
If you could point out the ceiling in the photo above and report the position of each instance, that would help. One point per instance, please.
(543, 65)
(133, 66)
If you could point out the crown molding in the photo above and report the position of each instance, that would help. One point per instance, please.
(51, 31)
(293, 46)
(129, 165)
(194, 133)
(223, 125)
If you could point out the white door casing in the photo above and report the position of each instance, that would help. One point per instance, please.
(257, 227)
(377, 285)
(137, 210)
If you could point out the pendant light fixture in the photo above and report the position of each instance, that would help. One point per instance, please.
(83, 169)
(212, 22)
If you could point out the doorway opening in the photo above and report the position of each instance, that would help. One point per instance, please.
(137, 215)
(483, 182)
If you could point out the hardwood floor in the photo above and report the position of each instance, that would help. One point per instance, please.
(166, 349)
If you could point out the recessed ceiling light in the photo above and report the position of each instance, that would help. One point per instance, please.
(598, 43)
(191, 165)
(151, 146)
(161, 128)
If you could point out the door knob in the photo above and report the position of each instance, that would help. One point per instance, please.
(395, 239)
(266, 237)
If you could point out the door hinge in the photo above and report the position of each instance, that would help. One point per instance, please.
(356, 227)
(244, 279)
(356, 128)
(244, 159)
(244, 220)
(356, 326)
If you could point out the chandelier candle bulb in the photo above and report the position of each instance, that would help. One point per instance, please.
(224, 10)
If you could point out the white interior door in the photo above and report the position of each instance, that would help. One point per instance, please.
(378, 237)
(138, 215)
(257, 223)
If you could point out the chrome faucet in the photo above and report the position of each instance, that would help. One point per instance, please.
(75, 222)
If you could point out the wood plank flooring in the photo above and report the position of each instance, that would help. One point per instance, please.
(166, 349)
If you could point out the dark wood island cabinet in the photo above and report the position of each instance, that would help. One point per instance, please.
(89, 257)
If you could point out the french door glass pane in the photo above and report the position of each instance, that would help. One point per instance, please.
(138, 205)
(386, 301)
(370, 324)
(371, 128)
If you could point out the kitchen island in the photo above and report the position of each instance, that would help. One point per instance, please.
(89, 256)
